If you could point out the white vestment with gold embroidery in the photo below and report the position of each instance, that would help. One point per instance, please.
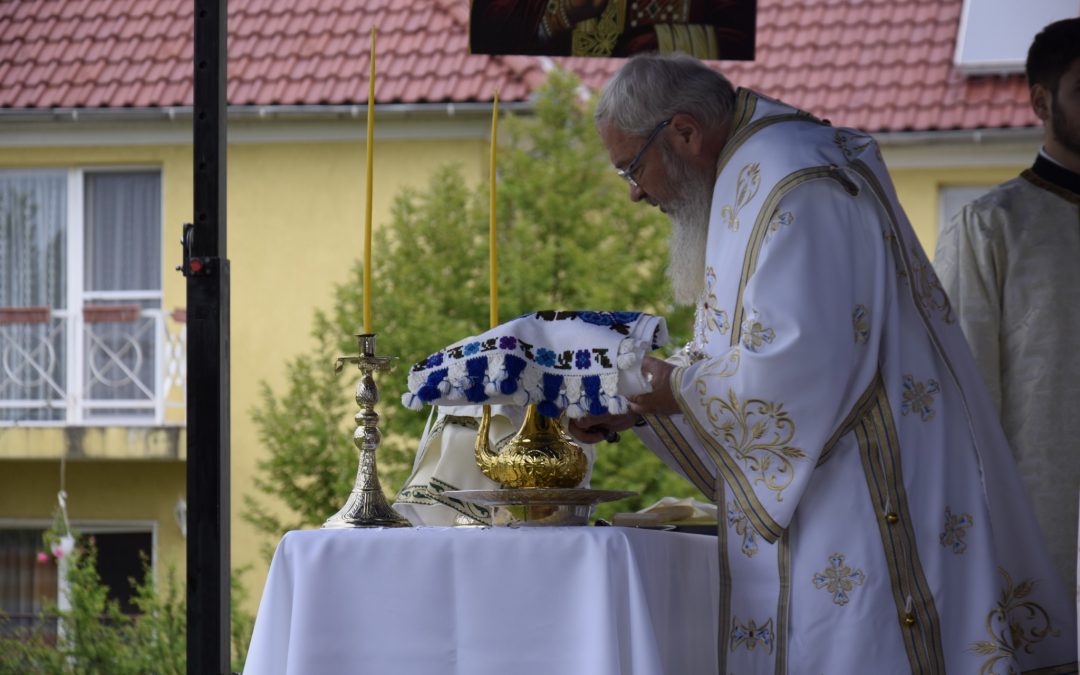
(871, 515)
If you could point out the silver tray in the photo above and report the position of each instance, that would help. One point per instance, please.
(537, 507)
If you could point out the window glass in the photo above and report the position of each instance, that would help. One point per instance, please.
(122, 278)
(952, 199)
(123, 231)
(33, 239)
(27, 585)
(33, 289)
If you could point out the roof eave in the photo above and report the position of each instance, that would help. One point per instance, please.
(974, 136)
(255, 112)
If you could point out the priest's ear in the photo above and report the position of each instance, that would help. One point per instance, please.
(1041, 101)
(689, 135)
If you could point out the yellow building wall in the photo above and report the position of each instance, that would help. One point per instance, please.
(917, 190)
(101, 492)
(295, 223)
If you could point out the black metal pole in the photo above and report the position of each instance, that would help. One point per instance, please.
(206, 267)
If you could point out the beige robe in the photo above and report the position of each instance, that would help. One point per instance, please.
(1010, 262)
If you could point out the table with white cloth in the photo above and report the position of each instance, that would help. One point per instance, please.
(478, 601)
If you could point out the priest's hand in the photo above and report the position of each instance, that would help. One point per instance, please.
(596, 428)
(661, 400)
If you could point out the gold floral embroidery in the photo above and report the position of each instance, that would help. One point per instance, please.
(955, 531)
(918, 397)
(757, 434)
(1014, 624)
(738, 520)
(778, 220)
(751, 635)
(860, 319)
(746, 187)
(839, 579)
(851, 145)
(755, 334)
(714, 319)
(724, 366)
(927, 287)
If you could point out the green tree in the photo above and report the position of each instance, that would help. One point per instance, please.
(568, 238)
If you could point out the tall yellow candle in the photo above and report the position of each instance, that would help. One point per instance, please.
(367, 215)
(493, 258)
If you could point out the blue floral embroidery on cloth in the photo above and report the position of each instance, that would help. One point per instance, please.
(561, 367)
(582, 359)
(616, 321)
(597, 318)
(545, 357)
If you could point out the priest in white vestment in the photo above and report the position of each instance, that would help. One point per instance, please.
(872, 520)
(1010, 262)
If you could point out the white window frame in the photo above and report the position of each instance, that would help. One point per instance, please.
(76, 408)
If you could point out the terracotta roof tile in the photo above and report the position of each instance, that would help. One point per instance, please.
(883, 65)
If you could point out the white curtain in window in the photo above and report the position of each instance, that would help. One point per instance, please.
(123, 231)
(123, 259)
(33, 238)
(33, 273)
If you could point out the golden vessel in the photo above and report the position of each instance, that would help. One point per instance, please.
(540, 455)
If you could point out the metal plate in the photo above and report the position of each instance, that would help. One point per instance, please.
(539, 496)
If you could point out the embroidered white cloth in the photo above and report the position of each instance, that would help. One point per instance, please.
(576, 362)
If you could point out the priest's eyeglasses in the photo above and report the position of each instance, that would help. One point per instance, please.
(627, 173)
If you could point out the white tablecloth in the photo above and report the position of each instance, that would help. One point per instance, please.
(500, 601)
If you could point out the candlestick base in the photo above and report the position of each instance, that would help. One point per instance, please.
(366, 505)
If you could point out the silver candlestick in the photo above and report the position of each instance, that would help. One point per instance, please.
(367, 505)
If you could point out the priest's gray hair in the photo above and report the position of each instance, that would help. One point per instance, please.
(650, 88)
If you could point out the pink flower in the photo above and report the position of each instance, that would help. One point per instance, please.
(42, 557)
(58, 552)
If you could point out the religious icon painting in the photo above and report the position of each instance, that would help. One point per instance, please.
(707, 29)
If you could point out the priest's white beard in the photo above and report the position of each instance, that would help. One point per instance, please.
(689, 214)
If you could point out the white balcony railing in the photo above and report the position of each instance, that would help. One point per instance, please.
(107, 364)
